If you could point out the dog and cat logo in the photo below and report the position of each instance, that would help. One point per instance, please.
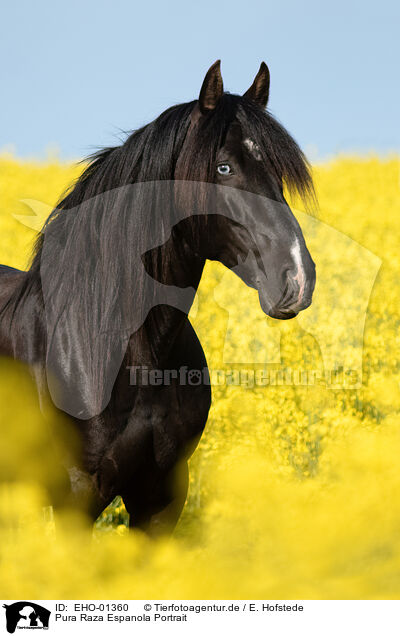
(26, 615)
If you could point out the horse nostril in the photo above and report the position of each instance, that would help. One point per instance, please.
(291, 291)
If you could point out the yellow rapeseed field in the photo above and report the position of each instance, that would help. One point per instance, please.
(295, 487)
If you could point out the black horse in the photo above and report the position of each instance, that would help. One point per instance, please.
(83, 318)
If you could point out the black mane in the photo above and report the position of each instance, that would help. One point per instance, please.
(151, 154)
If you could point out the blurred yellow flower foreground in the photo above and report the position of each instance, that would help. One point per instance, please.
(295, 486)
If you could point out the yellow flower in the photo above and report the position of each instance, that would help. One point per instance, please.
(295, 487)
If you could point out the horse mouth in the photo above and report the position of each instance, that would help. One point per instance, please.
(283, 314)
(290, 301)
(274, 311)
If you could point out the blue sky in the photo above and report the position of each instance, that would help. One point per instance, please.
(75, 74)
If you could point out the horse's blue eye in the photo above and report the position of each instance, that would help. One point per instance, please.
(224, 168)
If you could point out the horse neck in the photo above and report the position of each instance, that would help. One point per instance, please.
(180, 272)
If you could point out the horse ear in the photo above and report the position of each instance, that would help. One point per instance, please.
(259, 90)
(212, 88)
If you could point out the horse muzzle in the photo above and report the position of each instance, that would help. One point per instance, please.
(296, 296)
